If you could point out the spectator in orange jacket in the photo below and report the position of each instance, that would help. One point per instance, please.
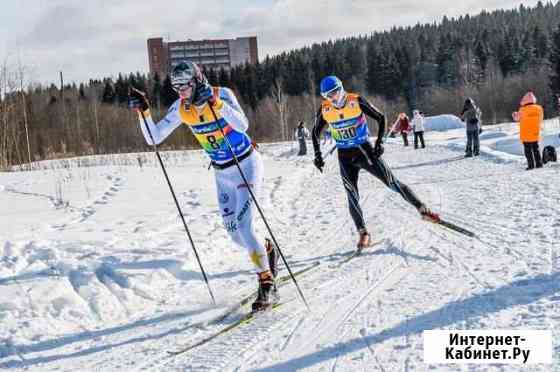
(530, 117)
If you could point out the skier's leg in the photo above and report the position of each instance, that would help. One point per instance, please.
(528, 155)
(415, 140)
(469, 149)
(537, 155)
(253, 169)
(349, 174)
(377, 167)
(476, 143)
(227, 201)
(422, 139)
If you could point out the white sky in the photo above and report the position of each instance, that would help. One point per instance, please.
(99, 38)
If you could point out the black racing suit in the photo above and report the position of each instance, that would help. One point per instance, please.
(351, 160)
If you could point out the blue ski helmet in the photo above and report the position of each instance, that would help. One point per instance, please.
(330, 84)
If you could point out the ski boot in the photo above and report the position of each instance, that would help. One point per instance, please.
(273, 256)
(265, 296)
(364, 241)
(272, 253)
(428, 215)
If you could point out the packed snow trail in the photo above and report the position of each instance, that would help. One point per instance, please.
(95, 273)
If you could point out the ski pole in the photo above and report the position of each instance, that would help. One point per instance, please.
(178, 207)
(331, 150)
(258, 206)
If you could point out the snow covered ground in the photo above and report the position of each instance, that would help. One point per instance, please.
(96, 273)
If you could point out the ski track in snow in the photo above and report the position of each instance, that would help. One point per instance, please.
(106, 279)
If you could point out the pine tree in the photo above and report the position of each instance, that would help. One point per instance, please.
(212, 77)
(508, 56)
(223, 78)
(250, 88)
(82, 92)
(156, 90)
(373, 69)
(481, 58)
(121, 90)
(540, 43)
(108, 93)
(446, 59)
(554, 59)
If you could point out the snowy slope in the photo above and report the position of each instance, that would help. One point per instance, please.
(96, 273)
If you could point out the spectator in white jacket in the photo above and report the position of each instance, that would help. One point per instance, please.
(418, 128)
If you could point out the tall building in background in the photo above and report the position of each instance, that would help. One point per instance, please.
(221, 53)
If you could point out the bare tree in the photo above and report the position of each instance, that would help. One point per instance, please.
(281, 103)
(4, 110)
(21, 73)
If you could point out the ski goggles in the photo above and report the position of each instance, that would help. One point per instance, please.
(332, 93)
(182, 85)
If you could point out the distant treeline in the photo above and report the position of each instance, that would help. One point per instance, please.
(492, 57)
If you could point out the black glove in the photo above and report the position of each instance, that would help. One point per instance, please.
(137, 100)
(318, 161)
(203, 93)
(378, 150)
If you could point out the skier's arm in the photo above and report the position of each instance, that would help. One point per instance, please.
(374, 113)
(465, 109)
(231, 111)
(164, 127)
(320, 124)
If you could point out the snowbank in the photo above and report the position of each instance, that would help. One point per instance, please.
(443, 122)
(498, 141)
(512, 145)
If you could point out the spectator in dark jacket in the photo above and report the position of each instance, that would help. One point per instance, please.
(471, 116)
(301, 134)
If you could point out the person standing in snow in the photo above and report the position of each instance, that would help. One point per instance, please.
(530, 117)
(345, 115)
(237, 208)
(471, 116)
(418, 128)
(301, 134)
(402, 126)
